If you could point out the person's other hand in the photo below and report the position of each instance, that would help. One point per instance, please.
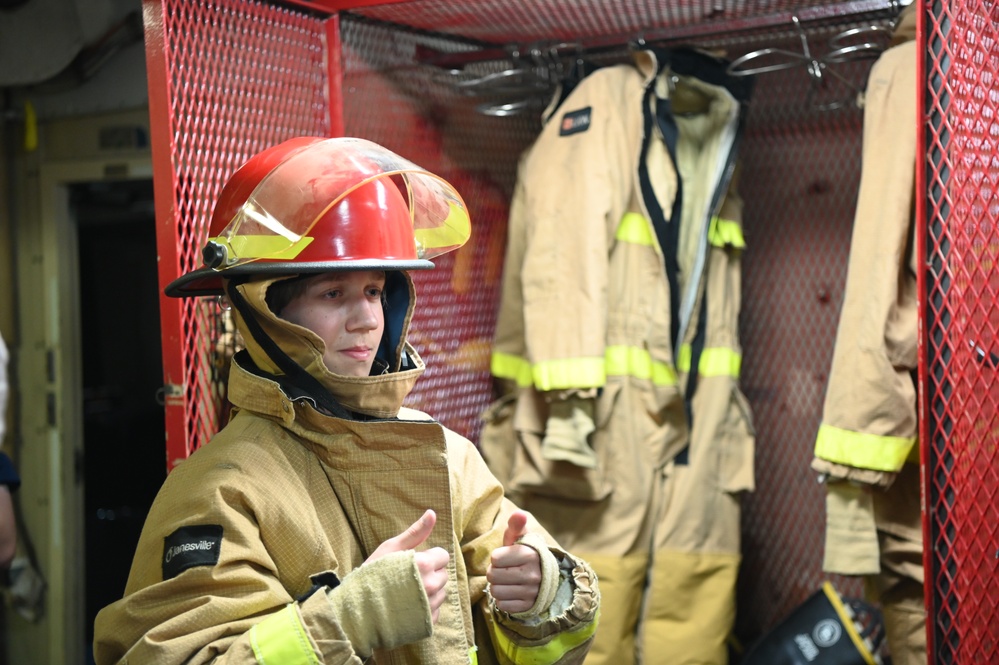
(432, 563)
(514, 573)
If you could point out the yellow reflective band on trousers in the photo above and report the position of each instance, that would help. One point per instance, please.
(545, 654)
(583, 372)
(862, 450)
(724, 232)
(715, 361)
(281, 640)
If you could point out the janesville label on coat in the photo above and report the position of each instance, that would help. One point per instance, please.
(575, 122)
(190, 546)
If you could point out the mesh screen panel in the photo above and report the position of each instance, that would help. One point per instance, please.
(234, 78)
(962, 211)
(614, 21)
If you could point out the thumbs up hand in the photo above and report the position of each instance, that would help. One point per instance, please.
(431, 563)
(514, 573)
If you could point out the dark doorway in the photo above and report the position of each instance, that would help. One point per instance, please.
(124, 460)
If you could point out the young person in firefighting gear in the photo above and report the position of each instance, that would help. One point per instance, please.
(327, 523)
(866, 449)
(627, 435)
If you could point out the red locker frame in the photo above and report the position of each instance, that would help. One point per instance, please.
(230, 77)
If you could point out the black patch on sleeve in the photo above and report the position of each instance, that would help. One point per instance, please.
(191, 546)
(575, 122)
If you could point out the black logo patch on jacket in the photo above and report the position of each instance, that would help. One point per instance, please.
(575, 122)
(191, 546)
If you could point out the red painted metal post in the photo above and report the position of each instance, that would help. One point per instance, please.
(168, 255)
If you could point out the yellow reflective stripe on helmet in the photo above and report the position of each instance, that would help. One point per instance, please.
(507, 366)
(454, 231)
(715, 361)
(280, 639)
(862, 450)
(846, 618)
(722, 232)
(262, 246)
(632, 361)
(634, 228)
(569, 373)
(544, 654)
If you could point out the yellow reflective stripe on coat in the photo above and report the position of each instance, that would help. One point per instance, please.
(715, 361)
(280, 639)
(862, 450)
(722, 232)
(569, 373)
(632, 361)
(515, 368)
(637, 230)
(544, 654)
(585, 372)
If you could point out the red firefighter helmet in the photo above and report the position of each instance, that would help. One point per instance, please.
(312, 205)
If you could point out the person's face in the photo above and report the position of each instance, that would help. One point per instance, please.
(345, 310)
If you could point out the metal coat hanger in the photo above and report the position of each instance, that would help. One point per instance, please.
(818, 68)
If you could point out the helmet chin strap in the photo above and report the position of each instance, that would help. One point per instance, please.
(293, 372)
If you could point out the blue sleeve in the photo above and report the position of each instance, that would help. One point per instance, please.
(8, 474)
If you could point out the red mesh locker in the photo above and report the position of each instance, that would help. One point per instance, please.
(958, 185)
(226, 80)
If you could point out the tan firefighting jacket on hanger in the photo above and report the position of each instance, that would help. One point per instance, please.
(286, 503)
(586, 304)
(869, 421)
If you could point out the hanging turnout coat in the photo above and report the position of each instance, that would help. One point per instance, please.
(253, 541)
(620, 278)
(867, 442)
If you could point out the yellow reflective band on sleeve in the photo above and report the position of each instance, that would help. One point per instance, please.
(634, 228)
(569, 373)
(862, 450)
(846, 619)
(632, 361)
(506, 366)
(473, 656)
(264, 246)
(722, 232)
(544, 654)
(715, 361)
(280, 639)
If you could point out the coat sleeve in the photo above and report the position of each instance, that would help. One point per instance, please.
(561, 634)
(231, 605)
(869, 418)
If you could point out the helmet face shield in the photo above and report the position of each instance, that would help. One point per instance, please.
(338, 196)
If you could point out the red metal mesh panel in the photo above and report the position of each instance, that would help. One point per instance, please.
(800, 175)
(236, 77)
(962, 211)
(391, 99)
(613, 21)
